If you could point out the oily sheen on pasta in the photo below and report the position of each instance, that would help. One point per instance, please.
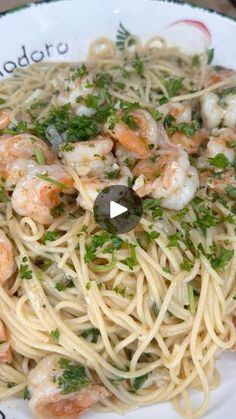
(117, 320)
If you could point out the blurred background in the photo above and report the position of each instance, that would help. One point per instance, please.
(227, 7)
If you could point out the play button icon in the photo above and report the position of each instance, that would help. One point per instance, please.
(118, 209)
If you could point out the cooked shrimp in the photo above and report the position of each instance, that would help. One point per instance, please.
(92, 186)
(137, 142)
(189, 144)
(7, 263)
(5, 351)
(74, 93)
(90, 157)
(23, 146)
(214, 77)
(171, 178)
(215, 113)
(182, 112)
(15, 170)
(218, 144)
(35, 197)
(4, 119)
(47, 399)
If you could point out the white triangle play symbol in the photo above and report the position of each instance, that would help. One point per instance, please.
(116, 209)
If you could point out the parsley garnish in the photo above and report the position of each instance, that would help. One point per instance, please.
(50, 236)
(180, 215)
(55, 335)
(191, 299)
(103, 80)
(80, 72)
(131, 261)
(91, 334)
(130, 121)
(139, 381)
(113, 174)
(73, 378)
(3, 195)
(173, 86)
(226, 92)
(220, 262)
(210, 55)
(58, 210)
(138, 65)
(27, 395)
(25, 272)
(39, 155)
(186, 265)
(152, 236)
(220, 161)
(129, 106)
(157, 115)
(19, 128)
(154, 206)
(61, 286)
(67, 147)
(2, 101)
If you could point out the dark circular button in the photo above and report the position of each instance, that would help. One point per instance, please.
(118, 209)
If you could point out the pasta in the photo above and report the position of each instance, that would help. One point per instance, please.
(132, 319)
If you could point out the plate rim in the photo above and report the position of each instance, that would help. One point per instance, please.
(173, 2)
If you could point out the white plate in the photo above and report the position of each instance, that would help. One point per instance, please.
(62, 30)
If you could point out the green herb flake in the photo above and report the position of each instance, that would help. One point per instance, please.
(173, 86)
(138, 65)
(50, 236)
(54, 182)
(180, 215)
(113, 174)
(139, 381)
(210, 55)
(130, 121)
(25, 272)
(157, 115)
(73, 378)
(186, 265)
(3, 195)
(80, 72)
(91, 334)
(231, 191)
(220, 262)
(27, 395)
(220, 161)
(2, 101)
(39, 155)
(152, 236)
(55, 334)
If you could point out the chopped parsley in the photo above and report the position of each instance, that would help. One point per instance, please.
(152, 236)
(80, 72)
(25, 272)
(139, 381)
(229, 91)
(52, 181)
(58, 210)
(221, 261)
(180, 215)
(186, 265)
(153, 205)
(113, 174)
(220, 161)
(157, 115)
(92, 101)
(130, 121)
(103, 80)
(91, 334)
(210, 55)
(55, 334)
(2, 101)
(50, 236)
(138, 65)
(73, 378)
(98, 241)
(67, 147)
(131, 260)
(19, 128)
(27, 395)
(3, 195)
(173, 86)
(62, 286)
(129, 106)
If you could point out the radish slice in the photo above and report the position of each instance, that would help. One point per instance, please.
(191, 36)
